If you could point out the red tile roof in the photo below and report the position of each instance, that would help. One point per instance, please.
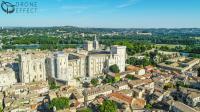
(149, 67)
(116, 96)
(139, 103)
(132, 68)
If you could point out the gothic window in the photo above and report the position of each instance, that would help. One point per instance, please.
(34, 68)
(40, 67)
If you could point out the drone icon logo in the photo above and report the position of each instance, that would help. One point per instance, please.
(7, 7)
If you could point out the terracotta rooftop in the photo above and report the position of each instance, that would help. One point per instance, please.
(139, 103)
(101, 89)
(149, 67)
(121, 97)
(132, 68)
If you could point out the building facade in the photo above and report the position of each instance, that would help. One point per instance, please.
(66, 67)
(57, 65)
(77, 65)
(88, 46)
(32, 68)
(99, 62)
(7, 76)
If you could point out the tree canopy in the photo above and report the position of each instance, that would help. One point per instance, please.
(94, 82)
(52, 85)
(134, 47)
(59, 103)
(114, 68)
(148, 106)
(140, 62)
(108, 106)
(85, 110)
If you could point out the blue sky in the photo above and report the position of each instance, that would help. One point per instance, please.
(109, 14)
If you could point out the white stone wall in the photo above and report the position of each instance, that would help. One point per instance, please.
(88, 46)
(96, 64)
(123, 87)
(77, 68)
(96, 44)
(7, 77)
(119, 57)
(50, 67)
(62, 66)
(32, 69)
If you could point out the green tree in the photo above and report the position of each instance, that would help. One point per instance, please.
(108, 106)
(168, 85)
(108, 79)
(52, 85)
(1, 109)
(148, 106)
(131, 77)
(132, 46)
(85, 110)
(117, 77)
(114, 68)
(94, 82)
(59, 103)
(164, 48)
(181, 84)
(139, 62)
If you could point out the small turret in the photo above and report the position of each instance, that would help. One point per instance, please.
(95, 43)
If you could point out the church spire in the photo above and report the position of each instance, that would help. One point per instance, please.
(95, 38)
(96, 43)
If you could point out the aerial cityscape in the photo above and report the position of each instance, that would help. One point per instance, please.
(84, 56)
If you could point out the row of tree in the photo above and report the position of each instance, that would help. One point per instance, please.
(139, 62)
(63, 103)
(194, 50)
(134, 47)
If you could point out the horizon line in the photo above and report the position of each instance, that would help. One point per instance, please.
(100, 27)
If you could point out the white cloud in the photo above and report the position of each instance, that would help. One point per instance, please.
(127, 3)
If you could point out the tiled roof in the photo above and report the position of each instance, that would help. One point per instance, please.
(101, 89)
(140, 82)
(149, 67)
(182, 107)
(121, 97)
(139, 103)
(132, 68)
